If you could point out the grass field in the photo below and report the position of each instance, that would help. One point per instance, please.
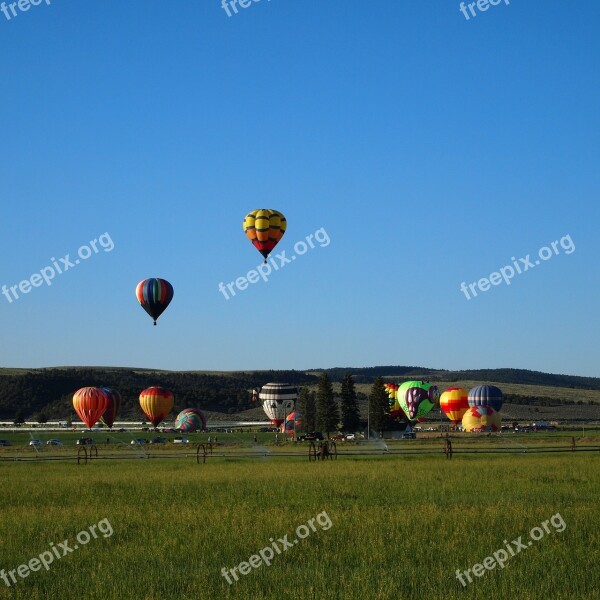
(400, 527)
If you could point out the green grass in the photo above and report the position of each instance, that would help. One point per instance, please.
(401, 527)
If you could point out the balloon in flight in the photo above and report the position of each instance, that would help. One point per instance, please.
(154, 295)
(264, 228)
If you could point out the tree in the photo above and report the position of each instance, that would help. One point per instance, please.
(349, 405)
(307, 406)
(327, 410)
(379, 408)
(42, 419)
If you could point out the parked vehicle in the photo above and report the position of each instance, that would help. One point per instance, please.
(5, 443)
(181, 440)
(139, 441)
(54, 443)
(411, 435)
(35, 443)
(338, 437)
(311, 437)
(158, 440)
(351, 437)
(84, 441)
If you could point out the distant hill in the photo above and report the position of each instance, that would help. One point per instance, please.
(47, 393)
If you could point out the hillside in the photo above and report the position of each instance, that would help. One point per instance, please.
(47, 393)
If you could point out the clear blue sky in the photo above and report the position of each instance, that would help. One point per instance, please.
(432, 149)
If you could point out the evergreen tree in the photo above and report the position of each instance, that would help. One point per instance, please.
(379, 406)
(306, 405)
(350, 411)
(327, 410)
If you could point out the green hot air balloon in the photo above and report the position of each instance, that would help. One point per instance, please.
(417, 398)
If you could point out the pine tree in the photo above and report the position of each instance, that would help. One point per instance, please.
(349, 406)
(310, 412)
(327, 410)
(379, 406)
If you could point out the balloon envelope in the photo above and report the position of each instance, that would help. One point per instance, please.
(90, 403)
(481, 418)
(486, 395)
(278, 401)
(416, 398)
(156, 402)
(190, 420)
(264, 228)
(154, 295)
(112, 408)
(455, 403)
(294, 423)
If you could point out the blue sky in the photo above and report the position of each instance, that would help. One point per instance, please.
(430, 148)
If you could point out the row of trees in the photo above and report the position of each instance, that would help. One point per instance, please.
(322, 412)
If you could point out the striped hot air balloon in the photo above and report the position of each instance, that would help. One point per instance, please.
(486, 395)
(278, 401)
(264, 228)
(156, 402)
(90, 403)
(114, 404)
(154, 295)
(294, 423)
(454, 402)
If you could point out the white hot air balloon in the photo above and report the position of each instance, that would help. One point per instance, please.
(278, 400)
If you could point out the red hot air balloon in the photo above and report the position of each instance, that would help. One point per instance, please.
(90, 404)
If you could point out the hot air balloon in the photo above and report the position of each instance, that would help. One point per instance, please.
(90, 403)
(114, 404)
(190, 420)
(264, 228)
(454, 403)
(294, 423)
(154, 295)
(481, 418)
(416, 398)
(486, 395)
(278, 401)
(156, 402)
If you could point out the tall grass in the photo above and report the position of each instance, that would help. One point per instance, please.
(401, 527)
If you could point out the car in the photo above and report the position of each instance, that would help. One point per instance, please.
(158, 440)
(351, 436)
(139, 441)
(338, 437)
(54, 443)
(5, 443)
(35, 443)
(84, 441)
(181, 440)
(311, 437)
(411, 435)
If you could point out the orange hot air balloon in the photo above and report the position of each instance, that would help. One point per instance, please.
(455, 403)
(156, 402)
(90, 404)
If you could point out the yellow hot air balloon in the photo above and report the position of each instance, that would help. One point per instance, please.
(264, 228)
(481, 418)
(454, 402)
(156, 402)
